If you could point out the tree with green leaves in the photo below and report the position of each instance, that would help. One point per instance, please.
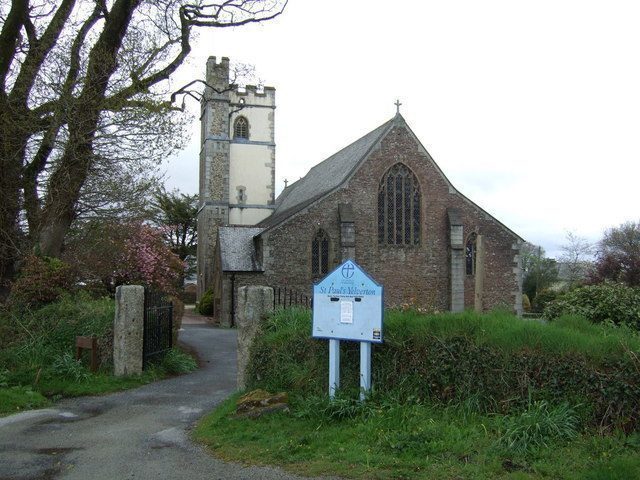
(85, 98)
(176, 215)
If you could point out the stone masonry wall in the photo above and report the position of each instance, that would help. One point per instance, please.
(418, 275)
(240, 279)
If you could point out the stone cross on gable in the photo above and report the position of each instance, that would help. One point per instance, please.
(285, 182)
(397, 104)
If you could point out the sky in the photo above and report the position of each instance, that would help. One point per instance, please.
(531, 109)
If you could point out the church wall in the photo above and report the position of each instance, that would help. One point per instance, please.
(417, 275)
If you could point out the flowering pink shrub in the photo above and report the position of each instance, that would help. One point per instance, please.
(131, 252)
(147, 259)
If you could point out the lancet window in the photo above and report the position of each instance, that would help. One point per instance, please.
(320, 254)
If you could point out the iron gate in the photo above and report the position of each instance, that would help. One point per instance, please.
(158, 326)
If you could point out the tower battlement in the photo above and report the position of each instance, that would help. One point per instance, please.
(218, 76)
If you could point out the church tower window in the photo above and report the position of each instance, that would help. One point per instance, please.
(241, 128)
(320, 254)
(470, 255)
(399, 207)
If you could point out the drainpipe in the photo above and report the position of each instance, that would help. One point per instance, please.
(232, 320)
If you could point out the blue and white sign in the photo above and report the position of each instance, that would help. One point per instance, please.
(348, 305)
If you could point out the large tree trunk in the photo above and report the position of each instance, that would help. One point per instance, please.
(66, 181)
(10, 149)
(9, 204)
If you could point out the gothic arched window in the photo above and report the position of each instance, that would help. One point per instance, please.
(399, 207)
(470, 255)
(241, 128)
(320, 254)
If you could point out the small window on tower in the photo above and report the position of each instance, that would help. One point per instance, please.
(242, 194)
(241, 128)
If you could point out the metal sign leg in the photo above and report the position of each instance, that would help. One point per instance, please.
(334, 367)
(365, 369)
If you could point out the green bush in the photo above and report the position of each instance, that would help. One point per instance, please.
(42, 280)
(205, 307)
(492, 363)
(542, 299)
(538, 426)
(33, 341)
(603, 303)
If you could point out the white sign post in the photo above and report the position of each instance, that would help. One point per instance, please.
(348, 305)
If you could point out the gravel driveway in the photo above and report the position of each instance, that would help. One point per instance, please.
(141, 433)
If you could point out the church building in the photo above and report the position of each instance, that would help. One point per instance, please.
(381, 201)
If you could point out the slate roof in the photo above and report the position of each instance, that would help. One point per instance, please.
(335, 170)
(237, 249)
(324, 177)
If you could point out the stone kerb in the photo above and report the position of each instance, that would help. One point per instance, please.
(254, 302)
(128, 328)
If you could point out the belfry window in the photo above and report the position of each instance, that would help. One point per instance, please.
(320, 254)
(470, 255)
(241, 128)
(399, 207)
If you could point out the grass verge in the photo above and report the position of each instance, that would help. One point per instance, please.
(385, 440)
(77, 381)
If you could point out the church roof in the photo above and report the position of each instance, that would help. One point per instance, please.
(237, 249)
(331, 173)
(324, 177)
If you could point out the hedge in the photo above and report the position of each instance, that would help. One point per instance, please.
(495, 363)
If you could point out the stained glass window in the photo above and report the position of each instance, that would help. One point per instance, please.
(399, 207)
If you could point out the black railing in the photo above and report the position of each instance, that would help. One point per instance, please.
(287, 297)
(158, 326)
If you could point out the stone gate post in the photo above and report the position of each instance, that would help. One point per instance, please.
(128, 328)
(254, 302)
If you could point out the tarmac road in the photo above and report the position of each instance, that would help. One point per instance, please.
(136, 434)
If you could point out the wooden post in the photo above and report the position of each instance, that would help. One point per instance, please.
(88, 343)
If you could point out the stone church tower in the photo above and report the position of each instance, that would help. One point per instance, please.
(237, 160)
